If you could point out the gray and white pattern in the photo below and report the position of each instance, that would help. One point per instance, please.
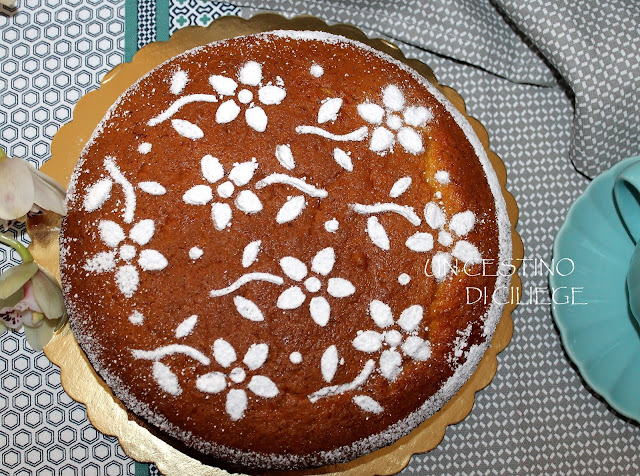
(593, 46)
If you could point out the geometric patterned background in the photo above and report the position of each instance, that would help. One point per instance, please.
(52, 52)
(536, 417)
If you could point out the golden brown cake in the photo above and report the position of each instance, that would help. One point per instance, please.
(284, 250)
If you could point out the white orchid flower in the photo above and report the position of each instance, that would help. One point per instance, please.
(30, 297)
(24, 189)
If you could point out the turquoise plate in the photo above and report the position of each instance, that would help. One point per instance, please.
(602, 337)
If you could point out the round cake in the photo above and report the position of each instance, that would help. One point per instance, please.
(284, 250)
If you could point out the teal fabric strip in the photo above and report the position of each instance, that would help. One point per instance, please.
(162, 20)
(142, 469)
(130, 33)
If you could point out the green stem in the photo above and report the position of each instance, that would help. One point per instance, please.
(16, 245)
(3, 154)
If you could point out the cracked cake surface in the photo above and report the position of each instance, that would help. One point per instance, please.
(270, 245)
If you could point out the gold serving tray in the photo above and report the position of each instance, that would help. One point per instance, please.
(79, 379)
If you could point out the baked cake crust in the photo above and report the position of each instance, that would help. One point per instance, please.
(281, 188)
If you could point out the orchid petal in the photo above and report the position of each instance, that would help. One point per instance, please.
(48, 295)
(40, 336)
(16, 277)
(46, 195)
(16, 188)
(11, 301)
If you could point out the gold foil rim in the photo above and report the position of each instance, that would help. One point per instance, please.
(106, 413)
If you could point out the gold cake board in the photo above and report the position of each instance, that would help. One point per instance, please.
(106, 413)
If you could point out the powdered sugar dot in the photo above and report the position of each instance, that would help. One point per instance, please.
(404, 279)
(316, 70)
(442, 177)
(136, 318)
(331, 225)
(295, 357)
(195, 253)
(144, 148)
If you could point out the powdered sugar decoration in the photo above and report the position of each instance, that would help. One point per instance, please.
(395, 122)
(404, 341)
(217, 382)
(294, 206)
(316, 70)
(127, 275)
(144, 148)
(186, 327)
(321, 265)
(249, 74)
(240, 175)
(99, 193)
(329, 110)
(152, 188)
(179, 81)
(329, 363)
(459, 226)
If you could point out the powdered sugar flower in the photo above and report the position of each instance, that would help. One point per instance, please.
(321, 264)
(449, 233)
(250, 74)
(126, 275)
(239, 176)
(395, 122)
(397, 342)
(235, 375)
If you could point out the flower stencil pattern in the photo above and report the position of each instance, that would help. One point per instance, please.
(321, 264)
(249, 75)
(449, 233)
(395, 122)
(239, 176)
(398, 342)
(217, 382)
(126, 275)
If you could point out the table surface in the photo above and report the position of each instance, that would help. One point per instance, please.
(536, 417)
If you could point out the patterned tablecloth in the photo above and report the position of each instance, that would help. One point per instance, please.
(536, 417)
